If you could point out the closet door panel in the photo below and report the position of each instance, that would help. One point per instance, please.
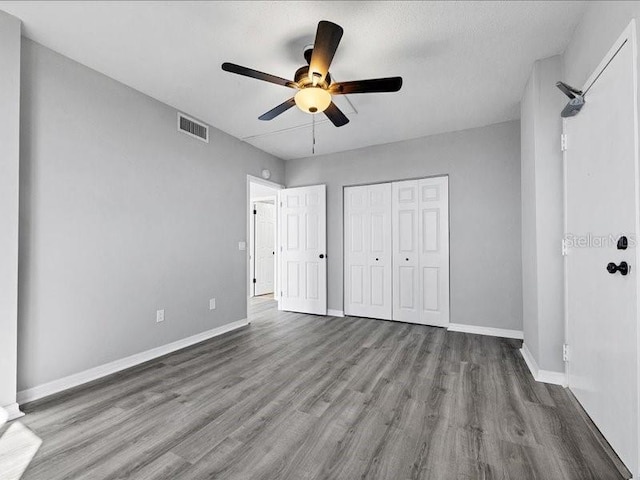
(368, 276)
(434, 251)
(356, 265)
(380, 278)
(405, 223)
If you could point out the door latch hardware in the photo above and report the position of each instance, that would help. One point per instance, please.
(623, 268)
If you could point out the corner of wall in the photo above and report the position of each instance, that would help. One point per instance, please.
(10, 31)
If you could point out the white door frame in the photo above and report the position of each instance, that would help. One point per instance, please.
(628, 35)
(249, 212)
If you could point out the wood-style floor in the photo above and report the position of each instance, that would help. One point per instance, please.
(305, 397)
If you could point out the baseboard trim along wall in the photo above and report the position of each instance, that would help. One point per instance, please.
(13, 411)
(490, 331)
(95, 373)
(335, 313)
(544, 376)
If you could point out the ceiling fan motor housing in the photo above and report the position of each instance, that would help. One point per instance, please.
(301, 77)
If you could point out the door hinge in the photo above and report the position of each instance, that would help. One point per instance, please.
(254, 280)
(565, 352)
(563, 142)
(255, 212)
(565, 248)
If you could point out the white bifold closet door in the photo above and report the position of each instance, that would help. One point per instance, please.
(368, 251)
(421, 251)
(397, 251)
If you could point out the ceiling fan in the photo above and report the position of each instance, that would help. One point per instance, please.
(313, 81)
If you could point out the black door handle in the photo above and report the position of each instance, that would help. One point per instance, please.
(623, 268)
(322, 255)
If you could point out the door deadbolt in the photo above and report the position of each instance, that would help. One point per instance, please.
(623, 243)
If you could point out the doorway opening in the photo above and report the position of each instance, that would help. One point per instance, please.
(262, 228)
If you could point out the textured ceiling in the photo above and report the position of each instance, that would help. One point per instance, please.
(464, 64)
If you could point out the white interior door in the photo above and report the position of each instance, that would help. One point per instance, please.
(434, 250)
(406, 251)
(303, 243)
(265, 238)
(601, 195)
(368, 288)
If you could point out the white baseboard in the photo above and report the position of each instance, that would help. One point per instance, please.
(13, 412)
(544, 376)
(335, 313)
(76, 379)
(490, 331)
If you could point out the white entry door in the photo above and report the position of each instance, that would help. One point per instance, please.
(601, 188)
(367, 213)
(421, 251)
(303, 243)
(264, 245)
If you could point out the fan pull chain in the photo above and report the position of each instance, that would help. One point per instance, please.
(313, 134)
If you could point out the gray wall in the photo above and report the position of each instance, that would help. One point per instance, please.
(528, 198)
(121, 215)
(602, 23)
(9, 163)
(483, 165)
(542, 215)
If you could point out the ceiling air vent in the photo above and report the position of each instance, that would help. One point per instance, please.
(193, 128)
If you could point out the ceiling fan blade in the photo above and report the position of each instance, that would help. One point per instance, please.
(336, 116)
(325, 45)
(274, 112)
(375, 85)
(249, 72)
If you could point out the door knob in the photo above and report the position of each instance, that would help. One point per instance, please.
(376, 259)
(406, 259)
(623, 268)
(322, 255)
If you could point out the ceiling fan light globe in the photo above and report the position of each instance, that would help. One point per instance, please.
(313, 99)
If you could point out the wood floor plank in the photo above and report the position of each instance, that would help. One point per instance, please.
(301, 397)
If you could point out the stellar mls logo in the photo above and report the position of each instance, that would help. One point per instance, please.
(590, 240)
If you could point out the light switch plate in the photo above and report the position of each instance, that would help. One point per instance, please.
(242, 245)
(160, 316)
(212, 304)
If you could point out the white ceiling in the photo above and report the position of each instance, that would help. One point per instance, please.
(464, 64)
